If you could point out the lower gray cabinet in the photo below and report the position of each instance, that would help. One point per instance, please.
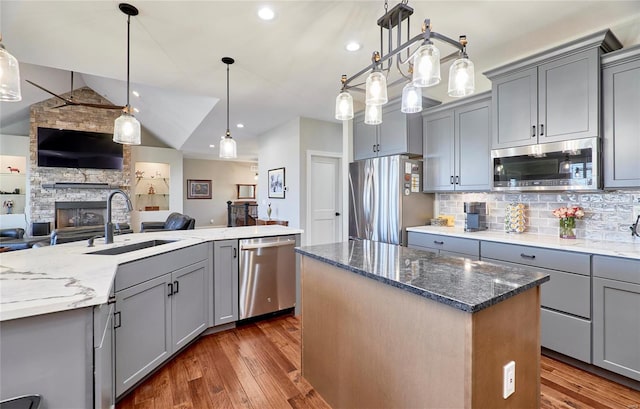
(565, 319)
(445, 245)
(103, 356)
(189, 317)
(616, 315)
(143, 330)
(225, 281)
(162, 303)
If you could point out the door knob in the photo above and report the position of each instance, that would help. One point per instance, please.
(337, 214)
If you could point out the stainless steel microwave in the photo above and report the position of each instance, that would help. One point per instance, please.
(568, 165)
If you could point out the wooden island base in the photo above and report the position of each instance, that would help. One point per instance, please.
(366, 344)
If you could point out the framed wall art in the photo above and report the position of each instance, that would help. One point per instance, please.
(198, 189)
(276, 183)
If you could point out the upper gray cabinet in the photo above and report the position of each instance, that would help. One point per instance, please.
(621, 105)
(551, 96)
(399, 133)
(456, 146)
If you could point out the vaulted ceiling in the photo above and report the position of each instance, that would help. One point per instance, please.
(285, 68)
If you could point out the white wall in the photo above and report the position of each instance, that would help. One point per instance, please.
(16, 145)
(224, 176)
(280, 148)
(171, 157)
(286, 146)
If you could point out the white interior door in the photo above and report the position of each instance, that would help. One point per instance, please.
(324, 200)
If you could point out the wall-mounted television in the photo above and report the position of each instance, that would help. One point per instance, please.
(64, 148)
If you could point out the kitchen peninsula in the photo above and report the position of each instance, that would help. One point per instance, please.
(389, 326)
(59, 306)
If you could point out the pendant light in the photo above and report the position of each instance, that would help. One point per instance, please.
(376, 89)
(373, 114)
(227, 144)
(126, 128)
(344, 106)
(9, 76)
(411, 99)
(426, 66)
(462, 74)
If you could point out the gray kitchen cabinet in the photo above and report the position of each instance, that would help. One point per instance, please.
(143, 330)
(621, 104)
(457, 146)
(225, 282)
(189, 317)
(445, 245)
(616, 315)
(399, 133)
(103, 356)
(161, 304)
(565, 318)
(551, 96)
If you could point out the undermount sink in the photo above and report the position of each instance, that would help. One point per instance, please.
(132, 247)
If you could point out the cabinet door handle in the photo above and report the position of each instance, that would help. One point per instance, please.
(374, 147)
(117, 320)
(235, 252)
(438, 242)
(529, 256)
(457, 180)
(176, 286)
(111, 300)
(170, 287)
(533, 135)
(541, 129)
(378, 148)
(451, 179)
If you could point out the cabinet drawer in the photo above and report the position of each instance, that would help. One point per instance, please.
(567, 335)
(616, 268)
(538, 257)
(139, 271)
(567, 292)
(468, 247)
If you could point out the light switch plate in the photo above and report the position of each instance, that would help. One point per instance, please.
(509, 376)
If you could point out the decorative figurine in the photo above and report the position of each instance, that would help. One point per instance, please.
(152, 190)
(9, 205)
(269, 211)
(139, 174)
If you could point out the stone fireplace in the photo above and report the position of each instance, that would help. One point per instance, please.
(76, 214)
(51, 187)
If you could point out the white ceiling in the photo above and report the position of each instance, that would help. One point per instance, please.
(285, 68)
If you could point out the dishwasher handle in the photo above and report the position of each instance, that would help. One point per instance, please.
(267, 244)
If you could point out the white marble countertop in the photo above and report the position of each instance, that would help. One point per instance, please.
(63, 277)
(606, 248)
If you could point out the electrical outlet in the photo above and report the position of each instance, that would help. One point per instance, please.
(509, 379)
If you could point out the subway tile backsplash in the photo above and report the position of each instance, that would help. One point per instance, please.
(608, 215)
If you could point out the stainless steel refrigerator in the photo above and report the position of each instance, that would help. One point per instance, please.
(385, 197)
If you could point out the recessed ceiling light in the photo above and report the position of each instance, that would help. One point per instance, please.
(240, 125)
(266, 13)
(212, 146)
(136, 94)
(352, 46)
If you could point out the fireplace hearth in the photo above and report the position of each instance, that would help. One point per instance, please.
(76, 214)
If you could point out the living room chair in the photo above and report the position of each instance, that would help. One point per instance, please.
(175, 221)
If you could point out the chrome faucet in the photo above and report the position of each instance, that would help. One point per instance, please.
(108, 227)
(634, 227)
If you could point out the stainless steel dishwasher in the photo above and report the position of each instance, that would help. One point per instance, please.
(267, 275)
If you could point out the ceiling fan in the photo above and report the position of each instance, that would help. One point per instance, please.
(70, 101)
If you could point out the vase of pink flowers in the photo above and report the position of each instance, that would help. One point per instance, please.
(567, 217)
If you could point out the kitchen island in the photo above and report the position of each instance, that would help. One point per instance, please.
(388, 326)
(64, 307)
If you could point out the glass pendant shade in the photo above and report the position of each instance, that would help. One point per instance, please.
(376, 89)
(373, 114)
(426, 66)
(411, 99)
(228, 148)
(461, 78)
(344, 106)
(9, 77)
(126, 130)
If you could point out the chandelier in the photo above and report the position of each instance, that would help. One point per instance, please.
(423, 67)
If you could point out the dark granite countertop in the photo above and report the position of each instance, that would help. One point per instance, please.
(459, 282)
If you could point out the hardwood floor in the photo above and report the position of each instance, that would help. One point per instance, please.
(258, 366)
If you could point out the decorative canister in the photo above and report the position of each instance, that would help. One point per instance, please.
(514, 220)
